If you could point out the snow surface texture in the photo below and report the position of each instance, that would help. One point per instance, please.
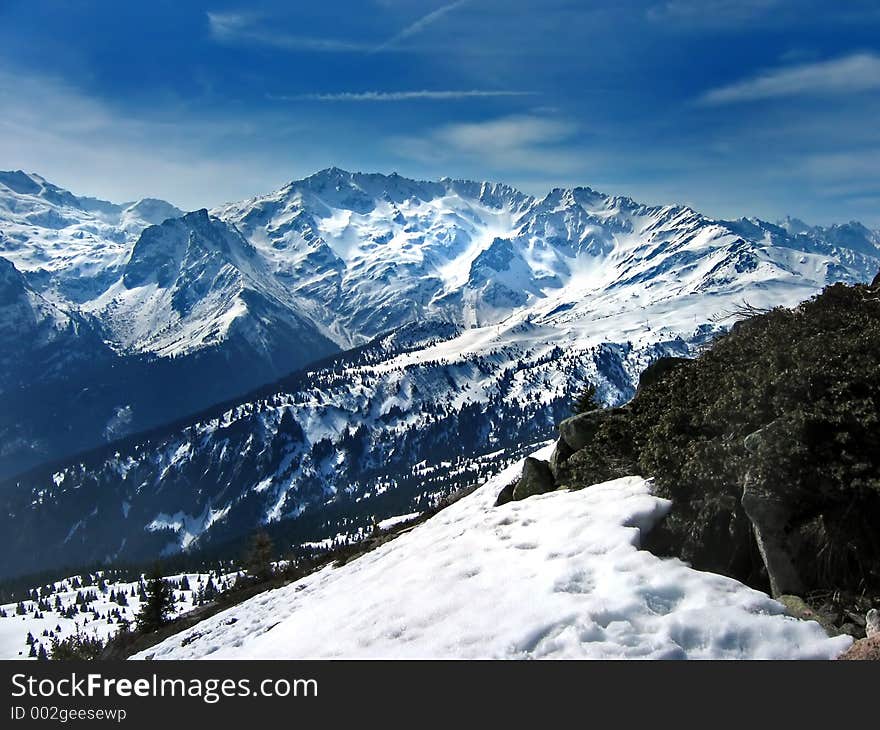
(554, 576)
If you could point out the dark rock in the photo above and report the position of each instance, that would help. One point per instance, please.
(875, 284)
(769, 515)
(608, 454)
(713, 535)
(536, 479)
(872, 623)
(578, 431)
(560, 454)
(863, 649)
(505, 495)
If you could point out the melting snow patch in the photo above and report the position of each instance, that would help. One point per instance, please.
(554, 576)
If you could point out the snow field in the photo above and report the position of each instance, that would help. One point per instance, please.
(554, 576)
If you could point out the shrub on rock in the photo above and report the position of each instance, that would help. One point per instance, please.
(786, 408)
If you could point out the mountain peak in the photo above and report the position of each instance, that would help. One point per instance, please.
(327, 174)
(20, 182)
(195, 217)
(24, 183)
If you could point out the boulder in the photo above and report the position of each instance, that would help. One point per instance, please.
(769, 515)
(536, 479)
(578, 431)
(505, 495)
(863, 649)
(872, 623)
(559, 456)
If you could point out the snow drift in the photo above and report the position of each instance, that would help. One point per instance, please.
(555, 576)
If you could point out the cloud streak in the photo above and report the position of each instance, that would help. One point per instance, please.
(419, 25)
(711, 12)
(523, 142)
(245, 28)
(249, 28)
(82, 143)
(386, 96)
(850, 74)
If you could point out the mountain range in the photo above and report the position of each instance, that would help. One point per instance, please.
(346, 348)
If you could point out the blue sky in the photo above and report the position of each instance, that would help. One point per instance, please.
(737, 107)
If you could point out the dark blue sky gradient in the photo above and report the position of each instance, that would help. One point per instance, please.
(738, 107)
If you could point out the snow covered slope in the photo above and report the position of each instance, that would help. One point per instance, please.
(94, 604)
(555, 576)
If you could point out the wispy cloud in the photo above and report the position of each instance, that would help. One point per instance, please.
(243, 28)
(523, 142)
(711, 12)
(419, 25)
(506, 133)
(850, 74)
(248, 28)
(372, 96)
(83, 143)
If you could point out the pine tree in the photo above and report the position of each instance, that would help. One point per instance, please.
(155, 610)
(76, 646)
(586, 400)
(210, 590)
(41, 654)
(259, 557)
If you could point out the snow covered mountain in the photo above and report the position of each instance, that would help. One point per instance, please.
(368, 253)
(106, 306)
(70, 248)
(475, 312)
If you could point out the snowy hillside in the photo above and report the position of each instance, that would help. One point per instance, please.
(555, 576)
(493, 308)
(96, 605)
